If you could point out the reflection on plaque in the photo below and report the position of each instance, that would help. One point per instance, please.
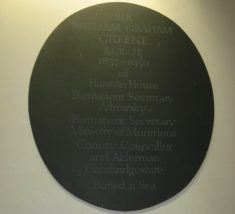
(121, 106)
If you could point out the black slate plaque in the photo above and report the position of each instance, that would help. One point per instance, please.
(121, 106)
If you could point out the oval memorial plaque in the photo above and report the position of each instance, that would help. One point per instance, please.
(121, 106)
